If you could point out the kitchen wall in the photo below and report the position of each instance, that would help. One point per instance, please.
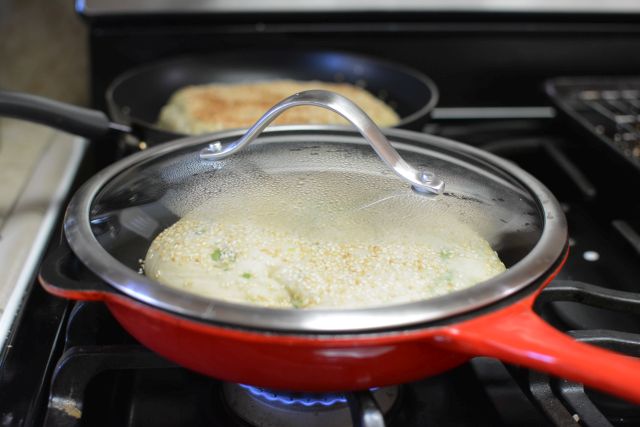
(43, 49)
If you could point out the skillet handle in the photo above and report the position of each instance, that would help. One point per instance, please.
(80, 121)
(63, 275)
(517, 335)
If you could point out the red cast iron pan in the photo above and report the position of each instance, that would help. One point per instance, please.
(508, 330)
(330, 350)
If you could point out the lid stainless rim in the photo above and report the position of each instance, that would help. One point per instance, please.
(534, 265)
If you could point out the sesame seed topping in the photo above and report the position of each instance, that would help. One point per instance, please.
(252, 263)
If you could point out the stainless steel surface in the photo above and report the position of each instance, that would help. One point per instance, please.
(105, 7)
(422, 181)
(37, 166)
(546, 252)
(446, 113)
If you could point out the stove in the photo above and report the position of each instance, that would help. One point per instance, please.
(87, 371)
(71, 364)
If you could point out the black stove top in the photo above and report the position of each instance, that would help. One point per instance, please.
(71, 364)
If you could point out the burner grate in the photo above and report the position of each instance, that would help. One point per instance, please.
(79, 365)
(567, 403)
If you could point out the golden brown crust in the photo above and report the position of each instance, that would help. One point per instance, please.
(206, 108)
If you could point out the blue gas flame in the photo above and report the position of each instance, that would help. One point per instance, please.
(309, 400)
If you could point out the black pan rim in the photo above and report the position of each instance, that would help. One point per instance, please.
(423, 112)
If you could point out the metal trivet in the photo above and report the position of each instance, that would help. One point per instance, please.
(608, 107)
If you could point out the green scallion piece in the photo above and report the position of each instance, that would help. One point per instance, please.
(216, 255)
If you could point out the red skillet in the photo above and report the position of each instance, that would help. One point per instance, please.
(114, 216)
(508, 330)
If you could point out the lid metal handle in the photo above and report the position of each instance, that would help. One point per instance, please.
(422, 181)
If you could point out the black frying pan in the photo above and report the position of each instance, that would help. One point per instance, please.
(136, 97)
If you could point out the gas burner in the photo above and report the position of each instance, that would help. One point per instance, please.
(269, 408)
(296, 398)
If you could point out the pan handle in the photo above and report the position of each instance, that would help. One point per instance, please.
(59, 115)
(517, 335)
(423, 181)
(62, 274)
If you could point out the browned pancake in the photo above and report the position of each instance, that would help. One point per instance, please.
(207, 108)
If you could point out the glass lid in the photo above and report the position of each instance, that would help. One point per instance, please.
(306, 229)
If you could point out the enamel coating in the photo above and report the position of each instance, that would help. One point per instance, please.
(329, 363)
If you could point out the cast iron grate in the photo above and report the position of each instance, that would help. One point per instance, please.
(567, 403)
